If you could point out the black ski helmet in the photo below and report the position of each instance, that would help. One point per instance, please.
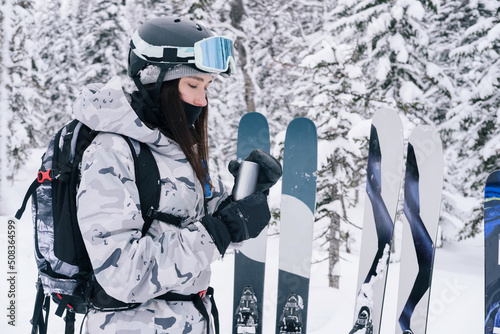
(165, 31)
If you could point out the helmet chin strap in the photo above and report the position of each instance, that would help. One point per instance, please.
(154, 103)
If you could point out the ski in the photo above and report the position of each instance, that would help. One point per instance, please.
(422, 203)
(249, 260)
(383, 181)
(298, 200)
(492, 253)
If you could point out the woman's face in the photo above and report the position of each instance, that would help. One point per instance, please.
(193, 89)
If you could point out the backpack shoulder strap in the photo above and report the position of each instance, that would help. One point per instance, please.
(147, 178)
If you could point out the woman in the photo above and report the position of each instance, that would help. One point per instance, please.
(172, 62)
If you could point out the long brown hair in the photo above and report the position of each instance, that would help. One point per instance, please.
(193, 141)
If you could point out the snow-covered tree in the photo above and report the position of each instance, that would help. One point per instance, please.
(231, 97)
(472, 121)
(20, 83)
(372, 54)
(5, 113)
(57, 66)
(335, 62)
(103, 36)
(16, 122)
(341, 134)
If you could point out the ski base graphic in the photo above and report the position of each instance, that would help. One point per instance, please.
(249, 260)
(298, 201)
(422, 203)
(383, 180)
(492, 253)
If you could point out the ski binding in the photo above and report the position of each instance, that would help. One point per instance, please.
(291, 318)
(247, 316)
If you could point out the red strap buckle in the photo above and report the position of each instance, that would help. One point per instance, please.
(202, 294)
(42, 176)
(70, 307)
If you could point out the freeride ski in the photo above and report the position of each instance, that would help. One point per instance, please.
(422, 204)
(383, 181)
(296, 225)
(492, 253)
(249, 265)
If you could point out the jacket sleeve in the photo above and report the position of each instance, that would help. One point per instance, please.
(128, 267)
(219, 195)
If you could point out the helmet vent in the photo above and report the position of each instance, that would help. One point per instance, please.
(198, 27)
(177, 20)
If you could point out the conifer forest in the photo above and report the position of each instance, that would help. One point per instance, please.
(334, 61)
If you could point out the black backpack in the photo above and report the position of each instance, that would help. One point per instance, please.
(64, 269)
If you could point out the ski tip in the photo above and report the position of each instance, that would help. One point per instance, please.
(492, 186)
(385, 113)
(389, 119)
(493, 178)
(425, 142)
(253, 116)
(428, 135)
(302, 122)
(253, 133)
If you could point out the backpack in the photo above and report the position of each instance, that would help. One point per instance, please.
(64, 268)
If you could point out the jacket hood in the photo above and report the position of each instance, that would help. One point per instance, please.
(106, 108)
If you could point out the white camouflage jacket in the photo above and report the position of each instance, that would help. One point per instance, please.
(168, 258)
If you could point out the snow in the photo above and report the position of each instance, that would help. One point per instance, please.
(416, 10)
(379, 24)
(456, 304)
(397, 43)
(459, 54)
(383, 68)
(397, 12)
(494, 33)
(365, 297)
(409, 92)
(5, 113)
(326, 54)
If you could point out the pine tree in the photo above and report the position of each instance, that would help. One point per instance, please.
(20, 85)
(229, 98)
(15, 111)
(103, 35)
(473, 118)
(57, 67)
(5, 112)
(377, 56)
(336, 88)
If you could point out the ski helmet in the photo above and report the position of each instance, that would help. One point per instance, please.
(168, 48)
(162, 36)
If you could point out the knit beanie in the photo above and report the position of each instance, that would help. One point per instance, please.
(150, 73)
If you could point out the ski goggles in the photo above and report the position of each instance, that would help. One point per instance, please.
(213, 54)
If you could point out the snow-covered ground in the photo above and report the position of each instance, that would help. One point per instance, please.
(456, 304)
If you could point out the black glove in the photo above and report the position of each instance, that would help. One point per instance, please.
(238, 221)
(270, 169)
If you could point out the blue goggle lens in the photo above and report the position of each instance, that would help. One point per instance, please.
(215, 54)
